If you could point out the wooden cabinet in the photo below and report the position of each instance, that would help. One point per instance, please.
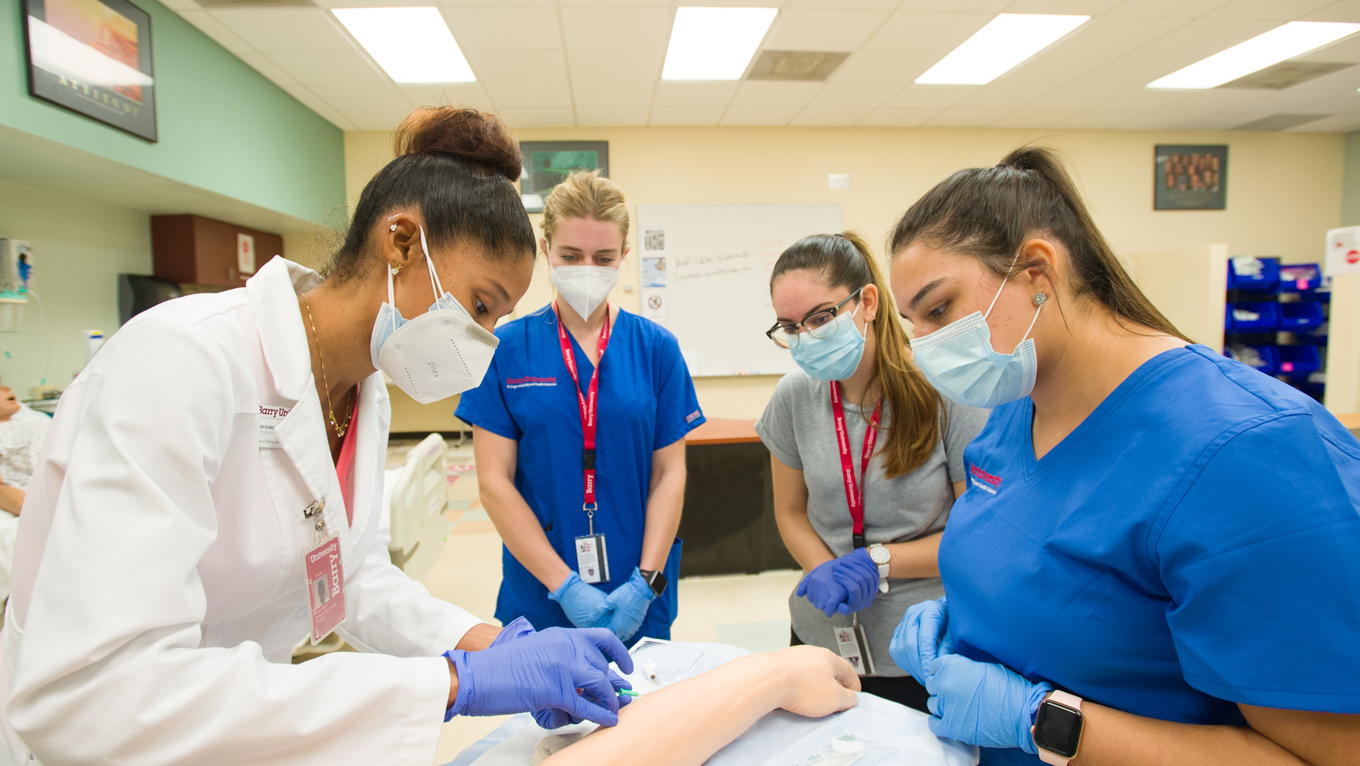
(191, 249)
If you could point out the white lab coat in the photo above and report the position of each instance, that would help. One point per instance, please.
(158, 582)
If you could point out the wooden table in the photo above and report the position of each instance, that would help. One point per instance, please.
(728, 524)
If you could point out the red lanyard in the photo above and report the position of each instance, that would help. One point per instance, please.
(587, 406)
(854, 494)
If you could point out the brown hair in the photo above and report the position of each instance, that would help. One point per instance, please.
(586, 195)
(988, 213)
(917, 415)
(458, 167)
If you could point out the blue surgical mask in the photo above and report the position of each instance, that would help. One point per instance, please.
(959, 361)
(834, 356)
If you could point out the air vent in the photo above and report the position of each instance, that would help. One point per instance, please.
(1277, 122)
(256, 3)
(1285, 74)
(802, 66)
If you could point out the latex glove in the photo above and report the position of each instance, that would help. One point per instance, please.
(981, 703)
(842, 585)
(544, 671)
(922, 636)
(630, 602)
(584, 604)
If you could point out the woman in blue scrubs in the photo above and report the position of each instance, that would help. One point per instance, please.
(1158, 557)
(588, 502)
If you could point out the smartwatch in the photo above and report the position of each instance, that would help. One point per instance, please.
(1057, 728)
(883, 558)
(655, 579)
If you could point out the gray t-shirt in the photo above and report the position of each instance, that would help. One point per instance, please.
(798, 428)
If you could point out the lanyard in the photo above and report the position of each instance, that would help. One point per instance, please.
(587, 405)
(854, 494)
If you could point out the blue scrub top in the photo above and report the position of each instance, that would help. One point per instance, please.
(1193, 544)
(646, 402)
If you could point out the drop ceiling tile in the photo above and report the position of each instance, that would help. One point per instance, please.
(531, 117)
(686, 115)
(216, 30)
(285, 30)
(1269, 10)
(1073, 97)
(605, 28)
(182, 5)
(897, 118)
(1202, 38)
(503, 28)
(658, 3)
(1346, 10)
(884, 66)
(1127, 72)
(763, 93)
(630, 94)
(1341, 123)
(1205, 121)
(350, 98)
(336, 119)
(1048, 71)
(307, 98)
(967, 118)
(1116, 35)
(823, 30)
(1220, 100)
(469, 95)
(829, 116)
(867, 5)
(547, 93)
(1077, 7)
(616, 64)
(375, 119)
(1347, 50)
(924, 31)
(517, 65)
(774, 116)
(1000, 95)
(1098, 119)
(1144, 100)
(695, 93)
(1178, 9)
(839, 94)
(611, 116)
(932, 96)
(1032, 118)
(961, 6)
(493, 3)
(327, 68)
(271, 71)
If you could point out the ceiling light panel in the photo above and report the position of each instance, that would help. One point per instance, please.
(714, 43)
(1279, 44)
(413, 45)
(1004, 43)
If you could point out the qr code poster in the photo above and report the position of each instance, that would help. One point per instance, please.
(654, 240)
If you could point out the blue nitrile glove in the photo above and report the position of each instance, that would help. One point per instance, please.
(542, 671)
(922, 636)
(584, 604)
(823, 589)
(518, 628)
(630, 602)
(548, 718)
(859, 574)
(981, 703)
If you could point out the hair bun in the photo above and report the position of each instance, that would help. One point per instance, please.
(475, 137)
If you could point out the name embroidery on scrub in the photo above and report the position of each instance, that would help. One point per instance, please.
(983, 480)
(529, 382)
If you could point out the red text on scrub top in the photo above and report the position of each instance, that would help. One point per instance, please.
(993, 482)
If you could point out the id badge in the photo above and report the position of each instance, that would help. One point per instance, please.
(854, 647)
(325, 587)
(592, 559)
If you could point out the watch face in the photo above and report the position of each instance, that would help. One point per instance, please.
(1058, 729)
(879, 554)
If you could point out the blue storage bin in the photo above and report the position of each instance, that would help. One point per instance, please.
(1253, 317)
(1300, 278)
(1305, 315)
(1299, 361)
(1246, 273)
(1264, 359)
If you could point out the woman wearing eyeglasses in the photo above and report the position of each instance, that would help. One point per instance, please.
(867, 458)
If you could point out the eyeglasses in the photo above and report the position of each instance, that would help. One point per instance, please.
(819, 324)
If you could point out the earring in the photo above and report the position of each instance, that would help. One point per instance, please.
(394, 227)
(1040, 299)
(395, 269)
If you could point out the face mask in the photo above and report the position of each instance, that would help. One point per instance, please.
(584, 288)
(960, 363)
(436, 355)
(835, 356)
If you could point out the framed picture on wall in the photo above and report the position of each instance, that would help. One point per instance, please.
(1191, 177)
(546, 163)
(94, 58)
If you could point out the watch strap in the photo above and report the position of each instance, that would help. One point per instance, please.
(1068, 700)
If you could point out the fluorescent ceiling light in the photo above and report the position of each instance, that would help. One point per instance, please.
(715, 43)
(410, 44)
(1284, 42)
(1002, 45)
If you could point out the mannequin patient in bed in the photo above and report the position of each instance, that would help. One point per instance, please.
(718, 706)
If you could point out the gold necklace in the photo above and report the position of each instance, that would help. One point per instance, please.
(339, 429)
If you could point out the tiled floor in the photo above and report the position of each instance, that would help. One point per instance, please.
(750, 611)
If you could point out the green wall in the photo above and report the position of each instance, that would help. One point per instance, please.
(223, 127)
(1350, 191)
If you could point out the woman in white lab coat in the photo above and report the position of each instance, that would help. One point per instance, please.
(159, 581)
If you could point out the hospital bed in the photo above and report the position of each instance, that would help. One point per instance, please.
(414, 498)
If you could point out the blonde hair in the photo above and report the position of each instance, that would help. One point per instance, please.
(586, 194)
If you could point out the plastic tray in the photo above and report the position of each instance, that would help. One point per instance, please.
(1300, 278)
(1247, 273)
(1268, 361)
(1238, 317)
(1305, 315)
(1299, 361)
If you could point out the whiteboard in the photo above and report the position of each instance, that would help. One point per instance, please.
(706, 278)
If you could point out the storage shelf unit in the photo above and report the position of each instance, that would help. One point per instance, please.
(1275, 320)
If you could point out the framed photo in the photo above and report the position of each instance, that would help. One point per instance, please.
(546, 163)
(94, 58)
(1191, 177)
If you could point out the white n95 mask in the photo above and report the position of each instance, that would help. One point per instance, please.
(437, 354)
(584, 288)
(959, 361)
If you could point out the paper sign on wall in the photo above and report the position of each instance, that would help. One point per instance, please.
(245, 253)
(654, 304)
(1343, 251)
